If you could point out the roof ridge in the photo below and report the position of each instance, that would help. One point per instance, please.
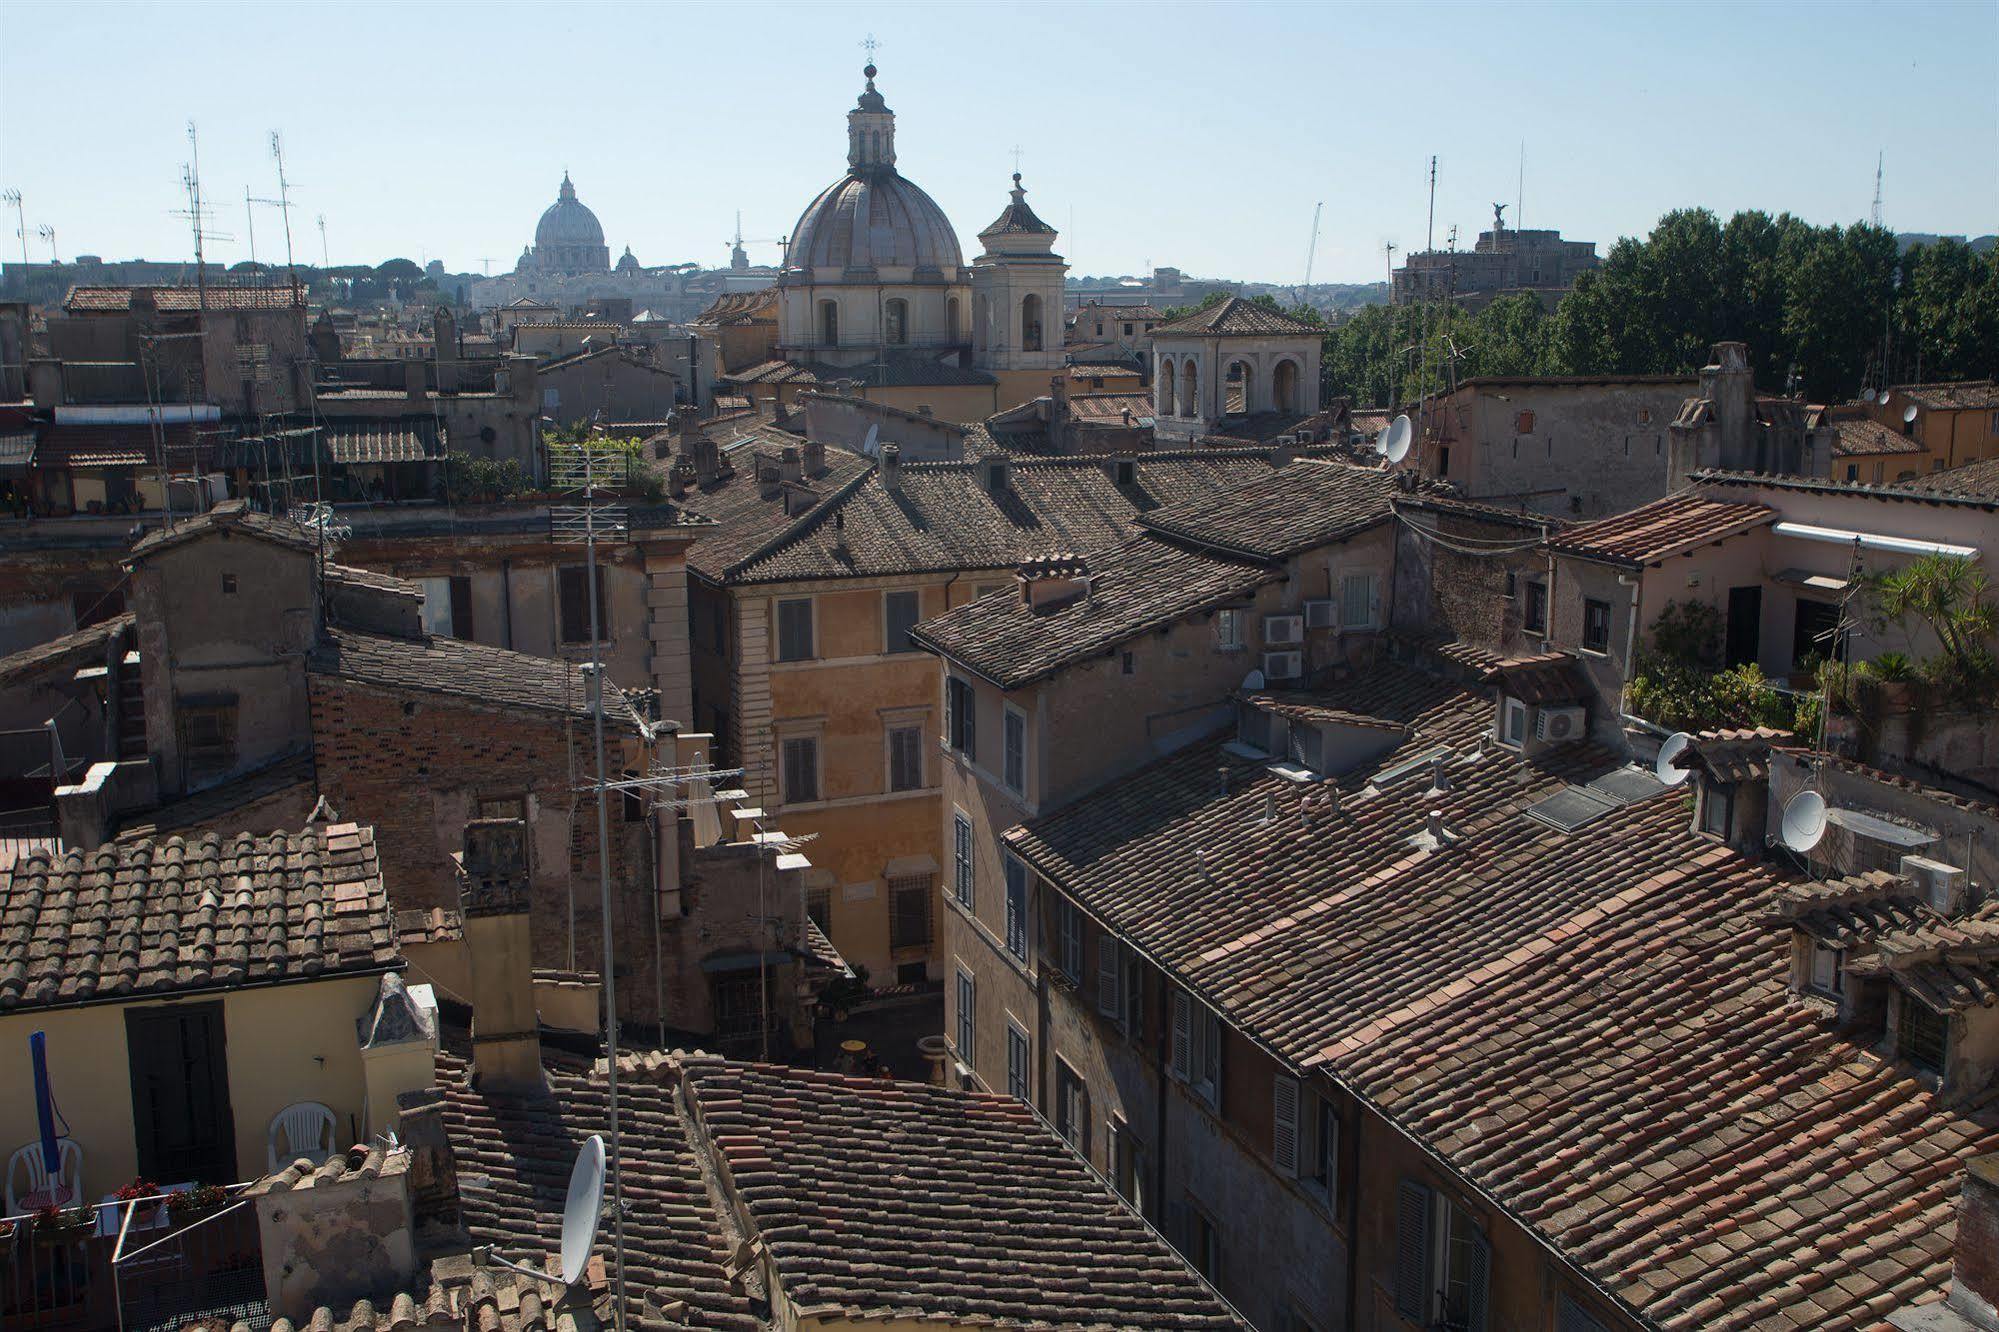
(806, 524)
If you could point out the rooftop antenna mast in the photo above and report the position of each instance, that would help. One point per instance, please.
(1879, 160)
(48, 233)
(13, 200)
(1430, 227)
(197, 216)
(324, 262)
(250, 223)
(1311, 251)
(1520, 191)
(586, 471)
(284, 205)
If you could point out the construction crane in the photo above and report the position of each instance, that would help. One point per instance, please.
(1311, 252)
(738, 243)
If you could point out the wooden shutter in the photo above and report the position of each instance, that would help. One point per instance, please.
(1412, 1251)
(1284, 1124)
(1109, 994)
(575, 598)
(1478, 1274)
(1182, 1024)
(461, 607)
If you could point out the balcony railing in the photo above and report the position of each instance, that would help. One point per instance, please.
(134, 1267)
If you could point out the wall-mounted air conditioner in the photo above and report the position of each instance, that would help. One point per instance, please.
(1283, 665)
(1558, 724)
(1280, 629)
(1321, 614)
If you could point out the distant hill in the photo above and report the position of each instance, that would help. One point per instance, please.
(1908, 240)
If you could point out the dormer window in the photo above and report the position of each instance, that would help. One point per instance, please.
(1717, 809)
(1827, 967)
(1512, 722)
(1922, 1035)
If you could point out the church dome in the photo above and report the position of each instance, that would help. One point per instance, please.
(876, 218)
(567, 222)
(628, 262)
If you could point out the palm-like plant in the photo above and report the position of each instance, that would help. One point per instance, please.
(1947, 593)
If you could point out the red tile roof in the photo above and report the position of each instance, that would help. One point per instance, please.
(1309, 503)
(1237, 317)
(1978, 480)
(1679, 522)
(183, 300)
(1963, 395)
(1864, 438)
(1594, 1029)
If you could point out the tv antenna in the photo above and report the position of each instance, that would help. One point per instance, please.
(284, 207)
(1311, 251)
(324, 262)
(1388, 249)
(1430, 227)
(196, 214)
(48, 233)
(13, 200)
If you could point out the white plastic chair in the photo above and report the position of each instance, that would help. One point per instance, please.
(69, 1177)
(306, 1128)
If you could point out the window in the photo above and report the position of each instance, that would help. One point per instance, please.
(961, 860)
(1444, 459)
(1069, 939)
(968, 1029)
(1017, 1085)
(1596, 625)
(1228, 630)
(207, 739)
(1921, 1035)
(1197, 1046)
(1134, 996)
(1127, 333)
(1512, 723)
(896, 315)
(1534, 615)
(794, 629)
(801, 769)
(1127, 665)
(964, 717)
(574, 593)
(720, 628)
(1357, 601)
(1572, 1317)
(1322, 1157)
(1110, 977)
(1204, 1245)
(1014, 727)
(1717, 808)
(819, 907)
(447, 607)
(829, 324)
(1305, 1135)
(1030, 322)
(1442, 1261)
(905, 758)
(1016, 907)
(229, 585)
(1826, 977)
(1072, 1108)
(909, 911)
(900, 612)
(504, 807)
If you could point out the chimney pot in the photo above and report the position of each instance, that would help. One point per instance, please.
(891, 463)
(1434, 825)
(494, 888)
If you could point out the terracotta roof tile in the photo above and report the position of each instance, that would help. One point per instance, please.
(183, 300)
(1310, 503)
(1679, 522)
(134, 918)
(1979, 480)
(1865, 438)
(227, 517)
(1963, 395)
(79, 647)
(1237, 317)
(482, 675)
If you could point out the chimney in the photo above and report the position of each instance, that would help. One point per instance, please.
(433, 1170)
(695, 446)
(1058, 413)
(1974, 1270)
(789, 468)
(813, 456)
(493, 891)
(1048, 582)
(891, 467)
(1433, 826)
(1280, 451)
(995, 468)
(1439, 779)
(415, 380)
(335, 1233)
(679, 477)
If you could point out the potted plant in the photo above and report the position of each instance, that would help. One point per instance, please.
(56, 1226)
(142, 1199)
(1897, 677)
(187, 1206)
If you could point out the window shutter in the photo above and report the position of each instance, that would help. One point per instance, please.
(1182, 1022)
(1284, 1125)
(1412, 1251)
(461, 606)
(1109, 995)
(1111, 1153)
(1477, 1273)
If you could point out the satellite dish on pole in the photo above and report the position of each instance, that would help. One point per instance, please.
(1868, 396)
(1885, 397)
(1676, 745)
(1804, 821)
(872, 444)
(1394, 441)
(1909, 413)
(584, 1210)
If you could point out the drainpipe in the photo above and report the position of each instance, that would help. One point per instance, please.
(1636, 582)
(1351, 1143)
(1164, 1044)
(507, 604)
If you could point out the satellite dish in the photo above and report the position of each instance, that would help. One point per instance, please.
(1885, 396)
(1252, 682)
(1676, 745)
(584, 1210)
(1909, 412)
(1868, 396)
(1804, 821)
(1394, 441)
(873, 441)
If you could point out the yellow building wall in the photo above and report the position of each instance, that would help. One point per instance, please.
(282, 1044)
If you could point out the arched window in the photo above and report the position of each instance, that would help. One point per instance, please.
(981, 317)
(1030, 322)
(829, 324)
(954, 320)
(1284, 387)
(875, 146)
(895, 322)
(1164, 381)
(1239, 388)
(1190, 389)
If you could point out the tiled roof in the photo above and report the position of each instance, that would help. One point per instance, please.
(1906, 492)
(1967, 394)
(198, 913)
(411, 439)
(1979, 480)
(514, 1154)
(1016, 218)
(372, 579)
(1103, 370)
(216, 804)
(1238, 317)
(902, 1198)
(740, 307)
(1864, 438)
(1927, 790)
(478, 674)
(1134, 312)
(1137, 585)
(1593, 1029)
(945, 516)
(746, 519)
(64, 444)
(1548, 677)
(1856, 910)
(78, 647)
(184, 300)
(1740, 754)
(901, 370)
(1109, 407)
(230, 516)
(1679, 522)
(1307, 504)
(435, 925)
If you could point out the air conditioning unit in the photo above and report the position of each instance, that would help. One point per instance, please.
(1281, 629)
(1941, 884)
(1283, 665)
(1558, 724)
(1320, 614)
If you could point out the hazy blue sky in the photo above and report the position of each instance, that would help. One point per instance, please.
(1195, 135)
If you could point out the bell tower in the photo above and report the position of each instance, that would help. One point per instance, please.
(870, 130)
(1017, 292)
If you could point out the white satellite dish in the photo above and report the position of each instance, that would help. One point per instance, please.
(1868, 396)
(1804, 821)
(584, 1210)
(873, 441)
(1909, 412)
(1393, 443)
(1885, 396)
(1252, 682)
(1676, 745)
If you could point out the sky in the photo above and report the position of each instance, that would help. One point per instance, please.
(1194, 135)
